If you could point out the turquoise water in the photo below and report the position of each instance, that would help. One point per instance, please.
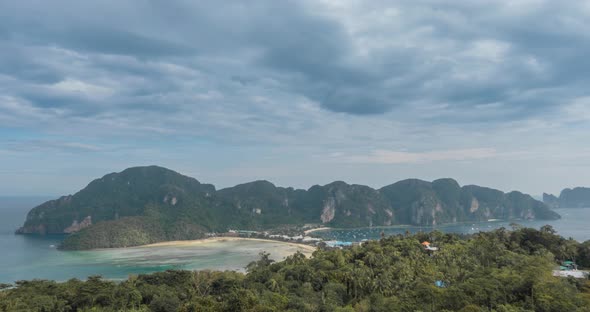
(29, 257)
(574, 223)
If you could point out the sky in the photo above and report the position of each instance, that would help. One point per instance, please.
(494, 93)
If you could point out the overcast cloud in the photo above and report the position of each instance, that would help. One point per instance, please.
(488, 92)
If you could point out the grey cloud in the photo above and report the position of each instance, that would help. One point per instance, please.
(109, 27)
(314, 53)
(425, 55)
(18, 63)
(115, 41)
(354, 100)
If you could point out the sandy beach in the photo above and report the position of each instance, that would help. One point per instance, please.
(306, 249)
(316, 230)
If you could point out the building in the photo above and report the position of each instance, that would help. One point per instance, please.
(428, 247)
(568, 266)
(573, 273)
(569, 269)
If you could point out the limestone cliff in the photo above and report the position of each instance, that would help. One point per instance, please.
(77, 226)
(578, 197)
(148, 204)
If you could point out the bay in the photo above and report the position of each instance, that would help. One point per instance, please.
(574, 223)
(35, 257)
(25, 257)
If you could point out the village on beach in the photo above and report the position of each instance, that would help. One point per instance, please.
(300, 236)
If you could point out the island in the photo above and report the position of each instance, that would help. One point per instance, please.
(578, 197)
(146, 205)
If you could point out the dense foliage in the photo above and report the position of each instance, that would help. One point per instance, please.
(492, 271)
(151, 204)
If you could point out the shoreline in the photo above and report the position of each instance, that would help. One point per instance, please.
(431, 226)
(183, 243)
(317, 230)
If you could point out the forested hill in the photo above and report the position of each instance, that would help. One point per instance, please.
(144, 205)
(578, 197)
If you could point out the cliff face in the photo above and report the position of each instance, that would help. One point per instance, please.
(77, 226)
(348, 205)
(578, 197)
(113, 196)
(337, 203)
(550, 200)
(42, 219)
(444, 201)
(149, 204)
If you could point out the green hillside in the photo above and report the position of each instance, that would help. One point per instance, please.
(150, 204)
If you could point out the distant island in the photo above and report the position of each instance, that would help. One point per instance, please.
(144, 205)
(578, 197)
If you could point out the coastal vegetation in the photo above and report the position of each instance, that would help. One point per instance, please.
(501, 270)
(144, 205)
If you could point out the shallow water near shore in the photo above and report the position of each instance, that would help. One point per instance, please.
(46, 262)
(30, 257)
(24, 257)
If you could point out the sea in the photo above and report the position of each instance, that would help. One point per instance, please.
(26, 257)
(574, 223)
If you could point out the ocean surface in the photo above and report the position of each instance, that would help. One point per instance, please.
(30, 257)
(24, 257)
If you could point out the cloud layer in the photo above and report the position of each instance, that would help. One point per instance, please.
(185, 83)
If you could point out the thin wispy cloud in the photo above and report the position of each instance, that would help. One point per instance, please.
(396, 157)
(45, 146)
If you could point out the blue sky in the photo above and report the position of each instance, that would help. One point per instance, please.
(494, 93)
